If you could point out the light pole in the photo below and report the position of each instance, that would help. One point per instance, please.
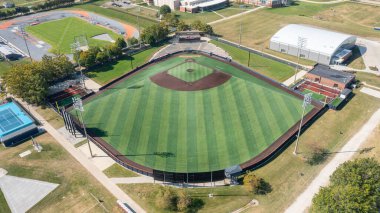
(241, 30)
(78, 105)
(75, 47)
(23, 33)
(300, 44)
(306, 102)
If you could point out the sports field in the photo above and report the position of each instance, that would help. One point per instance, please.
(60, 34)
(191, 131)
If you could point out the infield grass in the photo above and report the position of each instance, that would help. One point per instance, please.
(197, 131)
(60, 34)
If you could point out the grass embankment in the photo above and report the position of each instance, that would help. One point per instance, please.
(60, 34)
(51, 117)
(290, 175)
(4, 208)
(260, 26)
(370, 79)
(76, 185)
(265, 66)
(226, 199)
(116, 171)
(112, 70)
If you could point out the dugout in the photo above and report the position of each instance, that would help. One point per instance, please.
(15, 124)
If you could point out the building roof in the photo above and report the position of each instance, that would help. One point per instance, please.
(317, 40)
(335, 75)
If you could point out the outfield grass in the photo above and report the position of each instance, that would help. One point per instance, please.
(110, 71)
(265, 66)
(117, 171)
(55, 165)
(260, 26)
(226, 199)
(198, 131)
(60, 34)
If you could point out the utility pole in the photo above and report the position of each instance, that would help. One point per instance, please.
(306, 102)
(301, 44)
(23, 33)
(78, 105)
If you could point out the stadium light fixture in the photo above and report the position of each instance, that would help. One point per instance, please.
(23, 33)
(302, 42)
(75, 47)
(78, 105)
(306, 102)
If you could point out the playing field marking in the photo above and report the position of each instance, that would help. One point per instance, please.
(64, 32)
(219, 14)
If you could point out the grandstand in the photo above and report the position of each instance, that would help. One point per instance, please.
(65, 97)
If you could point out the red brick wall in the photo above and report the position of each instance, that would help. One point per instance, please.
(325, 81)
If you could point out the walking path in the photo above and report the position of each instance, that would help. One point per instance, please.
(85, 161)
(299, 75)
(235, 16)
(305, 199)
(371, 92)
(324, 2)
(218, 14)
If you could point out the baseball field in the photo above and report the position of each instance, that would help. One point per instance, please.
(191, 113)
(60, 34)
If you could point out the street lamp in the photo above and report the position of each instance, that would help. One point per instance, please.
(300, 44)
(23, 33)
(78, 105)
(306, 102)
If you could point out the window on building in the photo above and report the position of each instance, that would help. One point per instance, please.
(302, 55)
(283, 50)
(316, 79)
(335, 85)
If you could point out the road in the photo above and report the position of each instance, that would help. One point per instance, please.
(86, 163)
(346, 153)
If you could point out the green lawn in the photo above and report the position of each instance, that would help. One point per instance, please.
(116, 171)
(4, 208)
(260, 26)
(76, 185)
(110, 71)
(273, 69)
(368, 78)
(197, 131)
(60, 34)
(7, 65)
(226, 199)
(315, 96)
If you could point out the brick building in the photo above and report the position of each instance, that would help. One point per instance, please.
(324, 75)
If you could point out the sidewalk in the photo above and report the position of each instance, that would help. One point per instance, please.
(305, 199)
(299, 75)
(86, 163)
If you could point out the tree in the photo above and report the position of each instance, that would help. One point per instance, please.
(165, 9)
(171, 19)
(198, 25)
(182, 26)
(166, 199)
(120, 43)
(154, 34)
(102, 57)
(354, 187)
(132, 41)
(256, 184)
(183, 200)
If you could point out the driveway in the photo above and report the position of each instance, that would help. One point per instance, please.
(370, 51)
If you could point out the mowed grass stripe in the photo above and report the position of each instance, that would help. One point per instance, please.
(241, 101)
(182, 128)
(163, 131)
(130, 118)
(289, 108)
(155, 125)
(234, 136)
(172, 139)
(147, 127)
(278, 117)
(192, 118)
(201, 136)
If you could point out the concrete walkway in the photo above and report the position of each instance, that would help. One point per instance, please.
(346, 153)
(86, 163)
(298, 76)
(370, 91)
(91, 84)
(22, 194)
(147, 179)
(236, 16)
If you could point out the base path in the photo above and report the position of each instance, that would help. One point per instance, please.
(86, 163)
(305, 199)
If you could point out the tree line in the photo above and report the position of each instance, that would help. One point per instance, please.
(50, 4)
(31, 81)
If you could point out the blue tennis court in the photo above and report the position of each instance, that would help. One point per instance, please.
(12, 118)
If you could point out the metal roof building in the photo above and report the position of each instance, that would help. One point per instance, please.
(319, 45)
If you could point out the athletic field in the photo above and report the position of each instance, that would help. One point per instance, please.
(191, 131)
(60, 34)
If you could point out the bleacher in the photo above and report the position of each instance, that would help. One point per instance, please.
(64, 98)
(329, 92)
